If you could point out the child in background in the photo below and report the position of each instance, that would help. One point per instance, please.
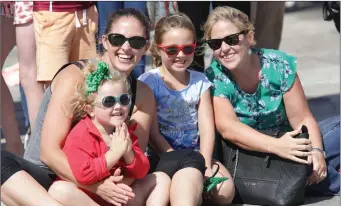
(101, 142)
(184, 119)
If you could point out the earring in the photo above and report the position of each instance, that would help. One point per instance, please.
(249, 52)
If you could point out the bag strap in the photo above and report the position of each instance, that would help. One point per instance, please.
(133, 83)
(79, 65)
(236, 164)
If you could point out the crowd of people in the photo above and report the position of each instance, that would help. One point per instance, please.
(105, 132)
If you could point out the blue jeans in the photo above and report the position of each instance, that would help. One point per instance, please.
(330, 130)
(105, 9)
(24, 106)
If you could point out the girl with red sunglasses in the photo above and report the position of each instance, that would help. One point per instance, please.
(184, 110)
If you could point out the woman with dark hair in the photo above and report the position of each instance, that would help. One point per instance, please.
(26, 181)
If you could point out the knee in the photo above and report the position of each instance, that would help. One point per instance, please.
(162, 178)
(62, 191)
(226, 193)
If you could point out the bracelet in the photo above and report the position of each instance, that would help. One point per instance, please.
(320, 150)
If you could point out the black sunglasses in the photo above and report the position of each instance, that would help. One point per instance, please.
(231, 40)
(136, 42)
(110, 101)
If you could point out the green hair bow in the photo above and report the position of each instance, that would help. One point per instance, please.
(94, 79)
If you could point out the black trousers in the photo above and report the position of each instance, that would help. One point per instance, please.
(198, 12)
(11, 164)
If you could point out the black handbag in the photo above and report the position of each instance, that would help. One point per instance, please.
(265, 179)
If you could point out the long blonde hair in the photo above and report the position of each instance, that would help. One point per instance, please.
(165, 24)
(238, 18)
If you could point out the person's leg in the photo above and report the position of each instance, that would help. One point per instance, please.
(23, 103)
(68, 194)
(9, 122)
(187, 181)
(22, 189)
(84, 42)
(54, 33)
(330, 130)
(33, 90)
(23, 183)
(105, 9)
(224, 192)
(186, 187)
(244, 6)
(139, 68)
(142, 7)
(269, 24)
(198, 16)
(7, 38)
(153, 190)
(139, 5)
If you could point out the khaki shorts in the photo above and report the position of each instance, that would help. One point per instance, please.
(59, 41)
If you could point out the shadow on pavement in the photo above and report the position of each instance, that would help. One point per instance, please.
(325, 106)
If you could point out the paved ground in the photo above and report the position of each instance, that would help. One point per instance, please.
(316, 43)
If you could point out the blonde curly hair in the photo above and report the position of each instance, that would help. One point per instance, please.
(222, 13)
(79, 100)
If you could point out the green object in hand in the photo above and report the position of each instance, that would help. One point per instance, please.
(211, 182)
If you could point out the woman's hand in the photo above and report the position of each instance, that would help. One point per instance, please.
(292, 148)
(114, 191)
(319, 168)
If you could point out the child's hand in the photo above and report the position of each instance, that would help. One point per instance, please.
(119, 142)
(129, 154)
(127, 135)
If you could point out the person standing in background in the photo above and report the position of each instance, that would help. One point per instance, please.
(65, 31)
(9, 124)
(31, 91)
(268, 21)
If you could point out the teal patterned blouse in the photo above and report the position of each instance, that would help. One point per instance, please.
(263, 109)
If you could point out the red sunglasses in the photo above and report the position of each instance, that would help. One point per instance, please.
(174, 50)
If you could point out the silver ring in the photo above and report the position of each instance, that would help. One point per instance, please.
(323, 174)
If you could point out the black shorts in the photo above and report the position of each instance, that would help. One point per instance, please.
(11, 164)
(171, 162)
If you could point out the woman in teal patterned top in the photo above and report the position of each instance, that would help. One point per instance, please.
(259, 89)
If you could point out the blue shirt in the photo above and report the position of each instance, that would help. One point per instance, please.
(177, 111)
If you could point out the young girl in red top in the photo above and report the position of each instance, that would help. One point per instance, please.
(101, 142)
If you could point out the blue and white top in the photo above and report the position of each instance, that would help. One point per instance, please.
(177, 111)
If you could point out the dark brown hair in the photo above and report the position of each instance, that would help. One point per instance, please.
(128, 12)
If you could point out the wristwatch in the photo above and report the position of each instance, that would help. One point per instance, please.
(320, 150)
